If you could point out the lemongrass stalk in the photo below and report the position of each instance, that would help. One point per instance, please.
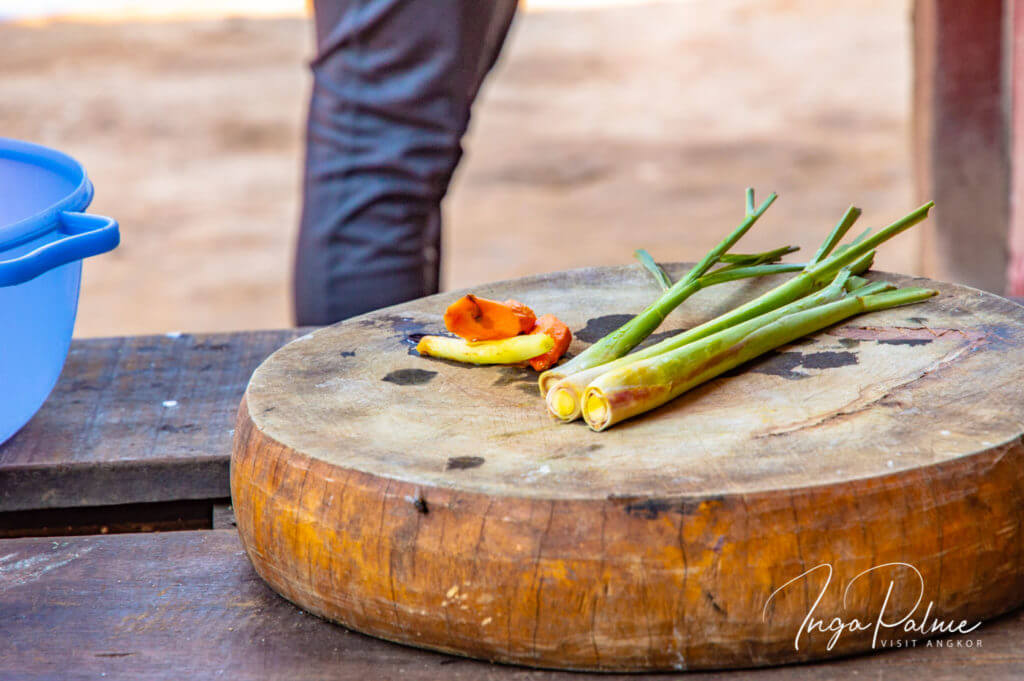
(661, 276)
(735, 261)
(725, 274)
(837, 234)
(870, 287)
(857, 255)
(712, 256)
(552, 376)
(867, 243)
(632, 333)
(564, 399)
(566, 405)
(656, 270)
(504, 351)
(643, 385)
(796, 288)
(565, 390)
(860, 265)
(773, 255)
(855, 282)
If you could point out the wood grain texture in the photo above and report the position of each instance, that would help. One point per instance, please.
(188, 605)
(438, 505)
(106, 437)
(961, 139)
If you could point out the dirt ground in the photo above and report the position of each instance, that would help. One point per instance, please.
(601, 131)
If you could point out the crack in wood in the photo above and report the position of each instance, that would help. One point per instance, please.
(871, 395)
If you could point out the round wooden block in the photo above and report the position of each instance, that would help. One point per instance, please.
(438, 504)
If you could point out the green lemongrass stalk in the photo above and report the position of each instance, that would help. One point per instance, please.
(712, 256)
(566, 403)
(564, 399)
(643, 385)
(735, 261)
(870, 287)
(628, 336)
(632, 333)
(866, 243)
(656, 270)
(855, 282)
(725, 274)
(862, 264)
(774, 255)
(837, 234)
(719, 276)
(858, 255)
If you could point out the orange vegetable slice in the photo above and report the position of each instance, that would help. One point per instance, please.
(552, 326)
(480, 319)
(527, 319)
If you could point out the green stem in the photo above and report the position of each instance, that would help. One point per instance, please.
(857, 256)
(860, 248)
(869, 288)
(632, 333)
(718, 251)
(656, 270)
(564, 397)
(720, 276)
(774, 255)
(646, 384)
(837, 233)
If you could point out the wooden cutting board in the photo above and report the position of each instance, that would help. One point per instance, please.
(438, 505)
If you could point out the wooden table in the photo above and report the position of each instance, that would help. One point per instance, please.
(105, 452)
(136, 433)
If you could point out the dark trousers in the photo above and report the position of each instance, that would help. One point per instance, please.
(394, 81)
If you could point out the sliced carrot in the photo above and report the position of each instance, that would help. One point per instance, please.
(552, 326)
(479, 319)
(527, 319)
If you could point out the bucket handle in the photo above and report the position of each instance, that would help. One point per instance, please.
(84, 235)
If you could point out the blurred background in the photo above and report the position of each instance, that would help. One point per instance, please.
(607, 125)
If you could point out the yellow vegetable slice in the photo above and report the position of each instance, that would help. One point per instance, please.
(505, 351)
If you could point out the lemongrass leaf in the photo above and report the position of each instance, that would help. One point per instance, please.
(656, 270)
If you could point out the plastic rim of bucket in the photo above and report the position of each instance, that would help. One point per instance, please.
(81, 235)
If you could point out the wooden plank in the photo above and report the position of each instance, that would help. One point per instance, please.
(223, 516)
(192, 514)
(135, 420)
(188, 605)
(961, 140)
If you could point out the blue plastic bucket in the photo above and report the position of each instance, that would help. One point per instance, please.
(43, 238)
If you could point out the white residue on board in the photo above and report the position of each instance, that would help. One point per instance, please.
(536, 473)
(30, 569)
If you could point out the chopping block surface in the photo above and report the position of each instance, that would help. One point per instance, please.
(858, 474)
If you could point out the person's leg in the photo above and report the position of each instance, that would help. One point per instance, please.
(393, 84)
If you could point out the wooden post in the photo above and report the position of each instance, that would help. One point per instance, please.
(1015, 275)
(961, 139)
